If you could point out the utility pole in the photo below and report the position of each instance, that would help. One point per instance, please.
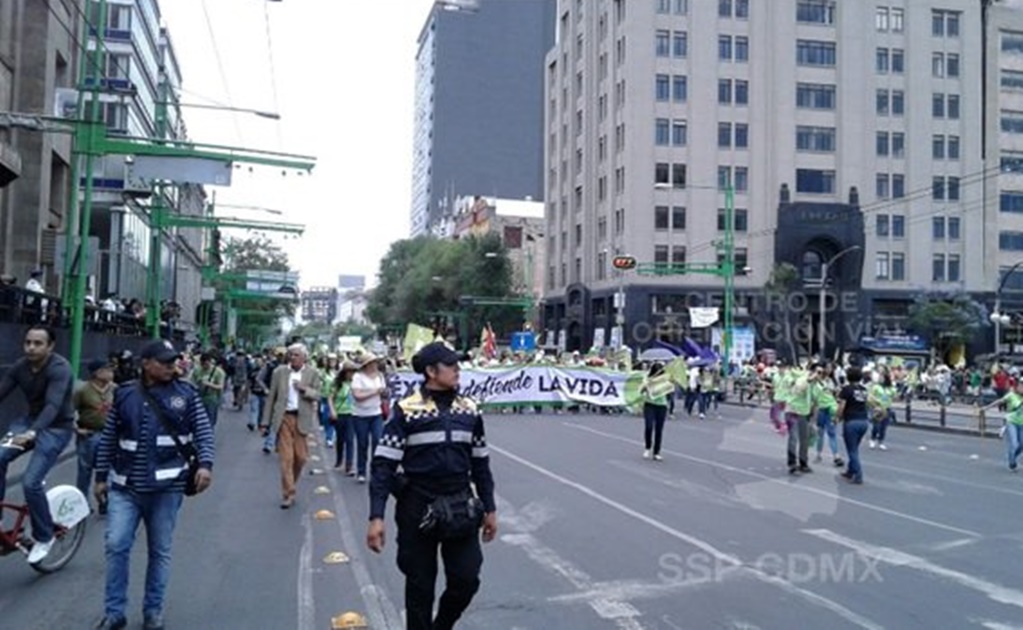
(156, 220)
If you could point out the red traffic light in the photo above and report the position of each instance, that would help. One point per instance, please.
(623, 263)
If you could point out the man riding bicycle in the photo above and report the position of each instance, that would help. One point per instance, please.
(46, 380)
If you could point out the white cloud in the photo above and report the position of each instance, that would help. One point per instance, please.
(345, 78)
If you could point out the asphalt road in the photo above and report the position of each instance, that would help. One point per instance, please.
(718, 535)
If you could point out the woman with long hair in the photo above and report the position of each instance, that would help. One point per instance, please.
(655, 392)
(852, 413)
(368, 390)
(341, 407)
(882, 397)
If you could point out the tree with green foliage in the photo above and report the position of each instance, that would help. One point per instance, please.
(948, 319)
(259, 319)
(424, 280)
(782, 282)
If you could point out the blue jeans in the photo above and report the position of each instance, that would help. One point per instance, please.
(345, 446)
(125, 509)
(852, 434)
(1013, 442)
(826, 426)
(212, 408)
(85, 446)
(366, 427)
(256, 404)
(328, 426)
(880, 428)
(50, 443)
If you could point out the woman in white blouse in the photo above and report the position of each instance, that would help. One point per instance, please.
(368, 387)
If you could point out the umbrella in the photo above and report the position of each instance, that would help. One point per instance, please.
(657, 354)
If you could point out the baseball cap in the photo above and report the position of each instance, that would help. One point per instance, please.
(160, 350)
(434, 353)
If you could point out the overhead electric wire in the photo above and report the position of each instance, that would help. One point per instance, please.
(273, 72)
(220, 69)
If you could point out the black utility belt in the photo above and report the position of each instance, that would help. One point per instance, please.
(453, 516)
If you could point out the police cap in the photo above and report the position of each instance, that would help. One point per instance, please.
(161, 351)
(433, 354)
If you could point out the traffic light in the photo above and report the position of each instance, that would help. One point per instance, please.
(623, 263)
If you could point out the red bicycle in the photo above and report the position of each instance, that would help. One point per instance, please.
(70, 511)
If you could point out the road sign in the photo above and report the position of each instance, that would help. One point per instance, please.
(523, 342)
(623, 263)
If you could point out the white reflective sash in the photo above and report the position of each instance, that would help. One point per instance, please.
(389, 452)
(461, 436)
(166, 440)
(128, 445)
(426, 437)
(480, 451)
(169, 473)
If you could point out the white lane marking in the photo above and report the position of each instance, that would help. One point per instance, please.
(689, 488)
(632, 590)
(787, 484)
(711, 550)
(894, 557)
(605, 604)
(996, 625)
(380, 611)
(953, 544)
(306, 601)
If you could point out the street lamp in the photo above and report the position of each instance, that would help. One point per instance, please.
(824, 286)
(998, 318)
(224, 108)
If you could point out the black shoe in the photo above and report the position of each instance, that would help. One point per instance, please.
(153, 622)
(106, 623)
(839, 462)
(793, 470)
(805, 469)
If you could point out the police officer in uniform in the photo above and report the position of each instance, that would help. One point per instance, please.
(437, 437)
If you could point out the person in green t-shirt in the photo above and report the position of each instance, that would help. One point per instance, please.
(1013, 429)
(799, 407)
(210, 379)
(342, 406)
(655, 390)
(92, 401)
(827, 405)
(880, 398)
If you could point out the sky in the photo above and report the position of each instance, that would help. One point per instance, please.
(342, 79)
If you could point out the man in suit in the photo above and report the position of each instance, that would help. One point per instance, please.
(290, 413)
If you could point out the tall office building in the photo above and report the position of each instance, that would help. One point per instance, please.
(479, 104)
(837, 125)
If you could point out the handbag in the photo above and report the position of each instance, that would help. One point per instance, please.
(453, 516)
(187, 452)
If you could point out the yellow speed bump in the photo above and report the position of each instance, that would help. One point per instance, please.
(335, 557)
(321, 490)
(314, 458)
(324, 515)
(348, 620)
(316, 471)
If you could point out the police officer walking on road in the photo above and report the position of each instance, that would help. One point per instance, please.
(438, 439)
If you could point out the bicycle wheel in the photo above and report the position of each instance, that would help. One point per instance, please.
(64, 548)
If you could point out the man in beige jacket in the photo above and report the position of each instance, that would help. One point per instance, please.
(290, 414)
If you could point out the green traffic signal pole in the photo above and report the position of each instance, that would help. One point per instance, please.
(724, 269)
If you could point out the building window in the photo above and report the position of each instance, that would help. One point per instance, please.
(953, 228)
(815, 96)
(1012, 122)
(678, 218)
(952, 65)
(938, 188)
(602, 188)
(741, 48)
(662, 174)
(725, 47)
(881, 143)
(664, 7)
(741, 92)
(1010, 241)
(938, 268)
(953, 268)
(815, 139)
(898, 144)
(882, 270)
(898, 186)
(898, 226)
(815, 181)
(661, 218)
(938, 106)
(681, 7)
(662, 132)
(898, 61)
(661, 254)
(741, 135)
(952, 106)
(679, 133)
(945, 23)
(815, 11)
(938, 147)
(740, 216)
(724, 91)
(1011, 162)
(897, 20)
(601, 265)
(938, 228)
(898, 102)
(662, 43)
(1012, 80)
(881, 19)
(882, 187)
(881, 225)
(1010, 201)
(882, 63)
(678, 175)
(898, 266)
(952, 188)
(620, 221)
(678, 255)
(741, 179)
(938, 65)
(815, 53)
(724, 135)
(882, 103)
(602, 228)
(662, 87)
(680, 45)
(679, 88)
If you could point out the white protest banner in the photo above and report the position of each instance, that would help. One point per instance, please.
(702, 316)
(535, 385)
